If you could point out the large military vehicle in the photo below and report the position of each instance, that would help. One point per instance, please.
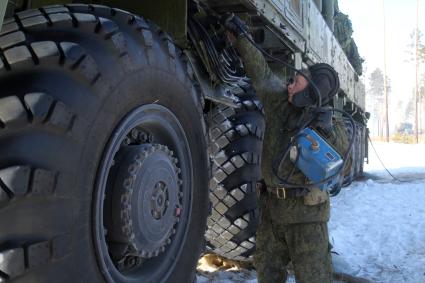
(130, 137)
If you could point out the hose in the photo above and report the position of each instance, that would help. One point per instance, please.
(334, 191)
(316, 91)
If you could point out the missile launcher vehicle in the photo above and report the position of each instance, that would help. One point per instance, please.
(130, 135)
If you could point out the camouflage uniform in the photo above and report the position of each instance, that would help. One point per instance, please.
(289, 230)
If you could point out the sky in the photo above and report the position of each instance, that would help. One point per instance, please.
(400, 18)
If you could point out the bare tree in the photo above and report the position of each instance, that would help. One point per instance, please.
(416, 54)
(422, 100)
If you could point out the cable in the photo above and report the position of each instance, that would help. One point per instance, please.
(310, 81)
(316, 90)
(283, 155)
(382, 163)
(337, 189)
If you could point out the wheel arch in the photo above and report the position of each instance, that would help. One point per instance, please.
(171, 16)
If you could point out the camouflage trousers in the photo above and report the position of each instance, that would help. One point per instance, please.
(305, 244)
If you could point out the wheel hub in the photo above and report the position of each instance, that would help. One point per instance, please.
(159, 200)
(143, 198)
(146, 197)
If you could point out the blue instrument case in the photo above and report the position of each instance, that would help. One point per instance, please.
(316, 159)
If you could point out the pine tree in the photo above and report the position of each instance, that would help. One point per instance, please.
(410, 108)
(416, 54)
(376, 99)
(376, 95)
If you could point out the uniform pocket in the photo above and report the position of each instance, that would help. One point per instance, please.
(316, 196)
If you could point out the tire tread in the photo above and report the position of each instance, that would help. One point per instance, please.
(232, 223)
(24, 48)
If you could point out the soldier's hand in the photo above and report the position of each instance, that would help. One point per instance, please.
(235, 25)
(323, 121)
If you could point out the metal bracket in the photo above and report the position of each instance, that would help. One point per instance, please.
(219, 93)
(298, 60)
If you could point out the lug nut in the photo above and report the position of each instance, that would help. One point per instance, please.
(150, 138)
(131, 261)
(126, 141)
(143, 137)
(134, 134)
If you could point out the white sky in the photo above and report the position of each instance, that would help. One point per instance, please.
(367, 20)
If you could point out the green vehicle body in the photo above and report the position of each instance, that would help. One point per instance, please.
(169, 15)
(303, 25)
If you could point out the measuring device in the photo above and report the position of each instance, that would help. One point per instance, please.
(316, 159)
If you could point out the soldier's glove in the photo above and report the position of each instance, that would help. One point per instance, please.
(323, 121)
(235, 25)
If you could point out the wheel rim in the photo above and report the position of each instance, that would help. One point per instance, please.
(143, 196)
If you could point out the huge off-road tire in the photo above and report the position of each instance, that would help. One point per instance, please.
(360, 140)
(236, 143)
(363, 140)
(349, 178)
(103, 153)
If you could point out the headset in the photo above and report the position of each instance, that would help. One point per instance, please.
(314, 109)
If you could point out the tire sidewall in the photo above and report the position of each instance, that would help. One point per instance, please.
(138, 89)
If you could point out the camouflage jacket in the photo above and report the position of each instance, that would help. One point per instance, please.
(281, 124)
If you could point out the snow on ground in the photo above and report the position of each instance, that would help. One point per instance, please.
(232, 275)
(402, 159)
(377, 226)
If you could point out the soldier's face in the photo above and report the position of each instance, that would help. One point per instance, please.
(299, 84)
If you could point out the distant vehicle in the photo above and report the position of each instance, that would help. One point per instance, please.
(405, 128)
(126, 151)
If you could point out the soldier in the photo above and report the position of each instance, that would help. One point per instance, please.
(293, 222)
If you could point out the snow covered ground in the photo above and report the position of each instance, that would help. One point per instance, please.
(377, 226)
